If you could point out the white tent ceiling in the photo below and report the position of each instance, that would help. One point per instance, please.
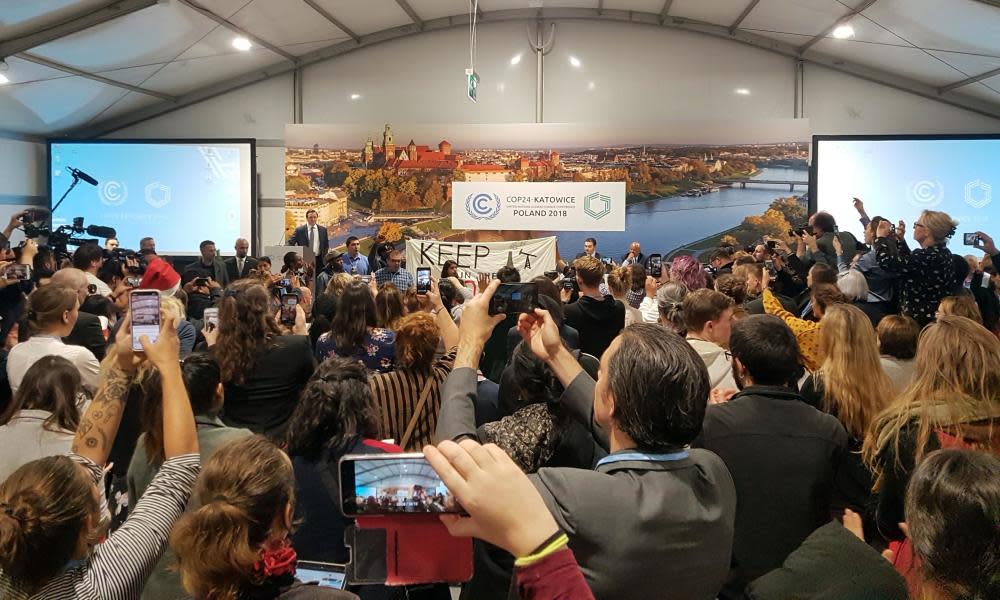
(91, 66)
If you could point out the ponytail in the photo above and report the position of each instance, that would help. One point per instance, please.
(46, 306)
(43, 507)
(214, 550)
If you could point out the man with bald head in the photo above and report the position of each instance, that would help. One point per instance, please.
(240, 265)
(88, 331)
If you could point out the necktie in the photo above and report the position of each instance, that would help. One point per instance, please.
(312, 238)
(239, 265)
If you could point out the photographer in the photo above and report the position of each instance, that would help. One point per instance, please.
(209, 266)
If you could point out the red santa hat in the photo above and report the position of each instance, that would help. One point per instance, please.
(161, 276)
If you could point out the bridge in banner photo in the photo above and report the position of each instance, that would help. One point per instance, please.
(743, 182)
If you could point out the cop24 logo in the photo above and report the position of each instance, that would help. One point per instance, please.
(597, 205)
(482, 206)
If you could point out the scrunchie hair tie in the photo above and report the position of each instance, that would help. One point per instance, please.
(32, 315)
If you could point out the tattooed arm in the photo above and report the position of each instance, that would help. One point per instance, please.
(99, 424)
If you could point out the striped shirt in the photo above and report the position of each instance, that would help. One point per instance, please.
(398, 393)
(117, 569)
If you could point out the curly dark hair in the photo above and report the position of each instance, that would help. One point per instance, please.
(335, 406)
(246, 326)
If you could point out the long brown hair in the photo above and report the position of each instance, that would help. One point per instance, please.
(43, 507)
(355, 314)
(389, 307)
(956, 384)
(243, 488)
(51, 384)
(849, 347)
(246, 326)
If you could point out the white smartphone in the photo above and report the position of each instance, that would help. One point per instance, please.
(144, 306)
(211, 318)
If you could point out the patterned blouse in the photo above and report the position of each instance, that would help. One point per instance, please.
(378, 352)
(806, 332)
(925, 276)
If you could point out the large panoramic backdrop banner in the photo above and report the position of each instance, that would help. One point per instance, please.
(690, 185)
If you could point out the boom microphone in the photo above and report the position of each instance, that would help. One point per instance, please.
(81, 175)
(101, 232)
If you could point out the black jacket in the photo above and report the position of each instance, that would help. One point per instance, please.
(598, 321)
(783, 456)
(831, 564)
(88, 333)
(248, 265)
(301, 238)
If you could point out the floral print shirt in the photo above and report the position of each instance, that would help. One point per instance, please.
(925, 276)
(378, 353)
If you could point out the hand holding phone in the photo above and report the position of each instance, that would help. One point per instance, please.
(211, 318)
(423, 280)
(514, 298)
(656, 265)
(379, 484)
(17, 272)
(288, 304)
(144, 310)
(970, 239)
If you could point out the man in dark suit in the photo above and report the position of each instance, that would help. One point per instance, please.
(590, 249)
(240, 265)
(311, 235)
(88, 331)
(677, 533)
(634, 256)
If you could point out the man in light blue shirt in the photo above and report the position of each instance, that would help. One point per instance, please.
(354, 262)
(394, 273)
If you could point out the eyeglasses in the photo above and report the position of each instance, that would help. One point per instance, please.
(918, 224)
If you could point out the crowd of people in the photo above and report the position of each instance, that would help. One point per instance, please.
(816, 416)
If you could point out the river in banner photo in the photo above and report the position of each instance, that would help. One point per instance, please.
(677, 224)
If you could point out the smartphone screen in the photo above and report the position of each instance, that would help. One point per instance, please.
(655, 265)
(969, 239)
(144, 306)
(17, 272)
(132, 281)
(392, 484)
(211, 317)
(423, 280)
(514, 298)
(288, 303)
(322, 574)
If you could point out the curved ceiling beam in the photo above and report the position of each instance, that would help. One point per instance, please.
(533, 14)
(90, 16)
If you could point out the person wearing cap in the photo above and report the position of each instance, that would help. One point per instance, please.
(161, 276)
(332, 264)
(355, 263)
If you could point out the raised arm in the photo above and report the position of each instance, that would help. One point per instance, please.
(99, 424)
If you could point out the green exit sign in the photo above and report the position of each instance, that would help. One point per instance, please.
(473, 84)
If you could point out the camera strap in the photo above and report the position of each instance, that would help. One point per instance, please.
(418, 409)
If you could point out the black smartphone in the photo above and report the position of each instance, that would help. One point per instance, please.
(769, 265)
(655, 265)
(133, 281)
(144, 306)
(17, 272)
(569, 283)
(970, 239)
(381, 484)
(514, 298)
(423, 280)
(288, 304)
(201, 281)
(772, 244)
(285, 283)
(607, 260)
(211, 318)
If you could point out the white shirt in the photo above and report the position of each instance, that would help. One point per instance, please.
(102, 288)
(25, 439)
(25, 354)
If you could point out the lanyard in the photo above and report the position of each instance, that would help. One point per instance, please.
(630, 456)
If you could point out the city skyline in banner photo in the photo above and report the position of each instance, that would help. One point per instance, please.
(675, 187)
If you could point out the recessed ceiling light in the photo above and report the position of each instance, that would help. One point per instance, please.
(4, 79)
(842, 32)
(516, 59)
(591, 86)
(355, 96)
(575, 61)
(241, 43)
(742, 91)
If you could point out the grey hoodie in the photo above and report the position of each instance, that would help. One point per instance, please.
(720, 367)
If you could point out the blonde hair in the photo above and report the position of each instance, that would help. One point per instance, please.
(956, 382)
(337, 284)
(619, 281)
(243, 488)
(961, 306)
(174, 306)
(855, 388)
(940, 224)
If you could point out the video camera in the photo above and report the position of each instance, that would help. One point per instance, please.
(64, 236)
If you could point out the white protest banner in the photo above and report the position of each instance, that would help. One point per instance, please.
(531, 257)
(539, 206)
